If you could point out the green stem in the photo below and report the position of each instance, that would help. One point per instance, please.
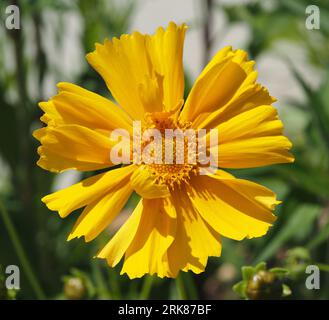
(20, 253)
(191, 286)
(180, 288)
(133, 290)
(102, 289)
(114, 284)
(207, 29)
(146, 288)
(322, 266)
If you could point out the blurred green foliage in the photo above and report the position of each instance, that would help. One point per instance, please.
(34, 238)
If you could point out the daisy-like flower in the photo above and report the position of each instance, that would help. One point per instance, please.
(182, 214)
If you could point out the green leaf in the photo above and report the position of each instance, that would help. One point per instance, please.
(322, 236)
(100, 282)
(299, 222)
(299, 175)
(317, 105)
(260, 266)
(8, 134)
(247, 272)
(240, 289)
(279, 271)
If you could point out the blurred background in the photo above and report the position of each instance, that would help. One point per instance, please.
(293, 62)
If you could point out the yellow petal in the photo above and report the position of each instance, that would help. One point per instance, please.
(257, 122)
(195, 240)
(56, 162)
(125, 63)
(249, 96)
(151, 93)
(118, 245)
(101, 212)
(235, 208)
(252, 138)
(166, 51)
(217, 84)
(156, 232)
(85, 192)
(254, 152)
(74, 147)
(75, 105)
(144, 183)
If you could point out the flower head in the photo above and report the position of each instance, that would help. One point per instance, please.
(184, 208)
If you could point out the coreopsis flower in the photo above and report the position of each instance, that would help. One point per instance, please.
(183, 212)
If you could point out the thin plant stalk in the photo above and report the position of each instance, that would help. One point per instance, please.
(207, 29)
(35, 285)
(146, 288)
(181, 288)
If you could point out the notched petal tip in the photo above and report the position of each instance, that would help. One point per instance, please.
(292, 158)
(258, 235)
(37, 134)
(89, 56)
(42, 105)
(73, 235)
(46, 200)
(175, 25)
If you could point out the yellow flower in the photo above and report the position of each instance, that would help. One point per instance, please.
(182, 213)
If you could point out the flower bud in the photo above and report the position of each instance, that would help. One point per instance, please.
(264, 285)
(74, 289)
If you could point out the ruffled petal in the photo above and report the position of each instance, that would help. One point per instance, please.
(101, 212)
(87, 191)
(176, 238)
(250, 95)
(73, 147)
(75, 105)
(235, 208)
(147, 251)
(118, 245)
(195, 239)
(257, 122)
(135, 62)
(165, 48)
(220, 81)
(254, 152)
(251, 139)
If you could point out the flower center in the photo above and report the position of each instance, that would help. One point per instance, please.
(169, 151)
